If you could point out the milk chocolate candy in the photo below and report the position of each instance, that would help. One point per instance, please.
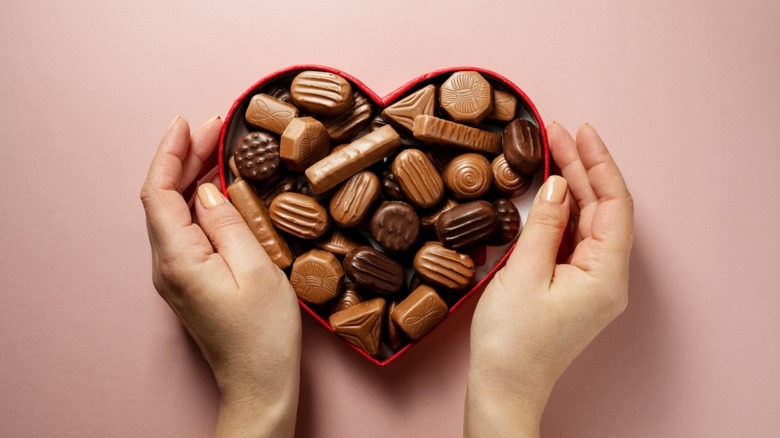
(467, 224)
(317, 276)
(433, 129)
(403, 112)
(256, 216)
(268, 113)
(320, 92)
(407, 140)
(507, 181)
(353, 158)
(508, 222)
(466, 97)
(346, 299)
(428, 220)
(361, 324)
(444, 267)
(468, 176)
(304, 142)
(504, 107)
(277, 185)
(340, 242)
(395, 226)
(299, 215)
(394, 337)
(391, 190)
(418, 178)
(523, 148)
(256, 156)
(374, 271)
(345, 126)
(418, 313)
(233, 167)
(354, 198)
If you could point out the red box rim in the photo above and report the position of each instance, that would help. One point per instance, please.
(382, 102)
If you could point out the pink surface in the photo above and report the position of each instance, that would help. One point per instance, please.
(685, 93)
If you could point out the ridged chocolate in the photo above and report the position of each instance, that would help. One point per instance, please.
(256, 156)
(418, 313)
(345, 126)
(433, 129)
(268, 113)
(467, 224)
(317, 276)
(507, 181)
(468, 176)
(508, 222)
(252, 209)
(374, 271)
(304, 142)
(353, 200)
(361, 324)
(420, 181)
(391, 190)
(395, 226)
(277, 185)
(280, 92)
(299, 215)
(444, 267)
(466, 97)
(340, 242)
(428, 220)
(320, 92)
(402, 112)
(523, 147)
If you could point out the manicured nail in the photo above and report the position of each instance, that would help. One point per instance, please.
(554, 189)
(210, 120)
(173, 123)
(209, 195)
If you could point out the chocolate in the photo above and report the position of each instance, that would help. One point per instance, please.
(346, 299)
(523, 148)
(320, 92)
(304, 142)
(433, 129)
(507, 181)
(317, 276)
(504, 107)
(353, 158)
(444, 267)
(415, 281)
(395, 226)
(418, 313)
(268, 113)
(304, 188)
(345, 126)
(402, 113)
(394, 337)
(252, 209)
(407, 140)
(233, 168)
(418, 178)
(508, 222)
(273, 188)
(391, 190)
(374, 271)
(361, 324)
(280, 92)
(468, 176)
(466, 97)
(354, 198)
(340, 242)
(429, 219)
(441, 157)
(299, 215)
(467, 224)
(256, 156)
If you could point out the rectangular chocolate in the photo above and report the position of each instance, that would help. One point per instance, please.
(352, 158)
(434, 129)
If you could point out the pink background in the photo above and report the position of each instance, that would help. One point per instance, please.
(686, 94)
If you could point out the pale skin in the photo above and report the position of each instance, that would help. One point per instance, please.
(242, 311)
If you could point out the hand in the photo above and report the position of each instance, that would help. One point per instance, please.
(236, 304)
(536, 316)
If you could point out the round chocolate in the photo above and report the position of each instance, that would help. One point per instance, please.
(468, 176)
(257, 156)
(395, 226)
(508, 222)
(507, 181)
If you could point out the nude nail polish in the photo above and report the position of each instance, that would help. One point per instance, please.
(554, 189)
(209, 195)
(173, 122)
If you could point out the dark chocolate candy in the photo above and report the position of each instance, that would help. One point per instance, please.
(508, 222)
(280, 92)
(523, 147)
(467, 224)
(374, 271)
(345, 126)
(340, 242)
(257, 156)
(391, 190)
(277, 185)
(395, 226)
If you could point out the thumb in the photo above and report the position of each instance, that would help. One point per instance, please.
(229, 234)
(533, 258)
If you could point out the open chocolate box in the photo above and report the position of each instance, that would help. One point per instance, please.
(391, 181)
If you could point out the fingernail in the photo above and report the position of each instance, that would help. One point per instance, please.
(209, 195)
(554, 189)
(173, 122)
(210, 120)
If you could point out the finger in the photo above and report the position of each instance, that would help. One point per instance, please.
(202, 146)
(230, 235)
(566, 156)
(537, 248)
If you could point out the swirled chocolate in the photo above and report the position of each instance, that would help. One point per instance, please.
(468, 176)
(507, 181)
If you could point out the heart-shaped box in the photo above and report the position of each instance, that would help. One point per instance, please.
(234, 126)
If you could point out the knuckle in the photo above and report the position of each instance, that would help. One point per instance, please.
(146, 194)
(226, 219)
(549, 219)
